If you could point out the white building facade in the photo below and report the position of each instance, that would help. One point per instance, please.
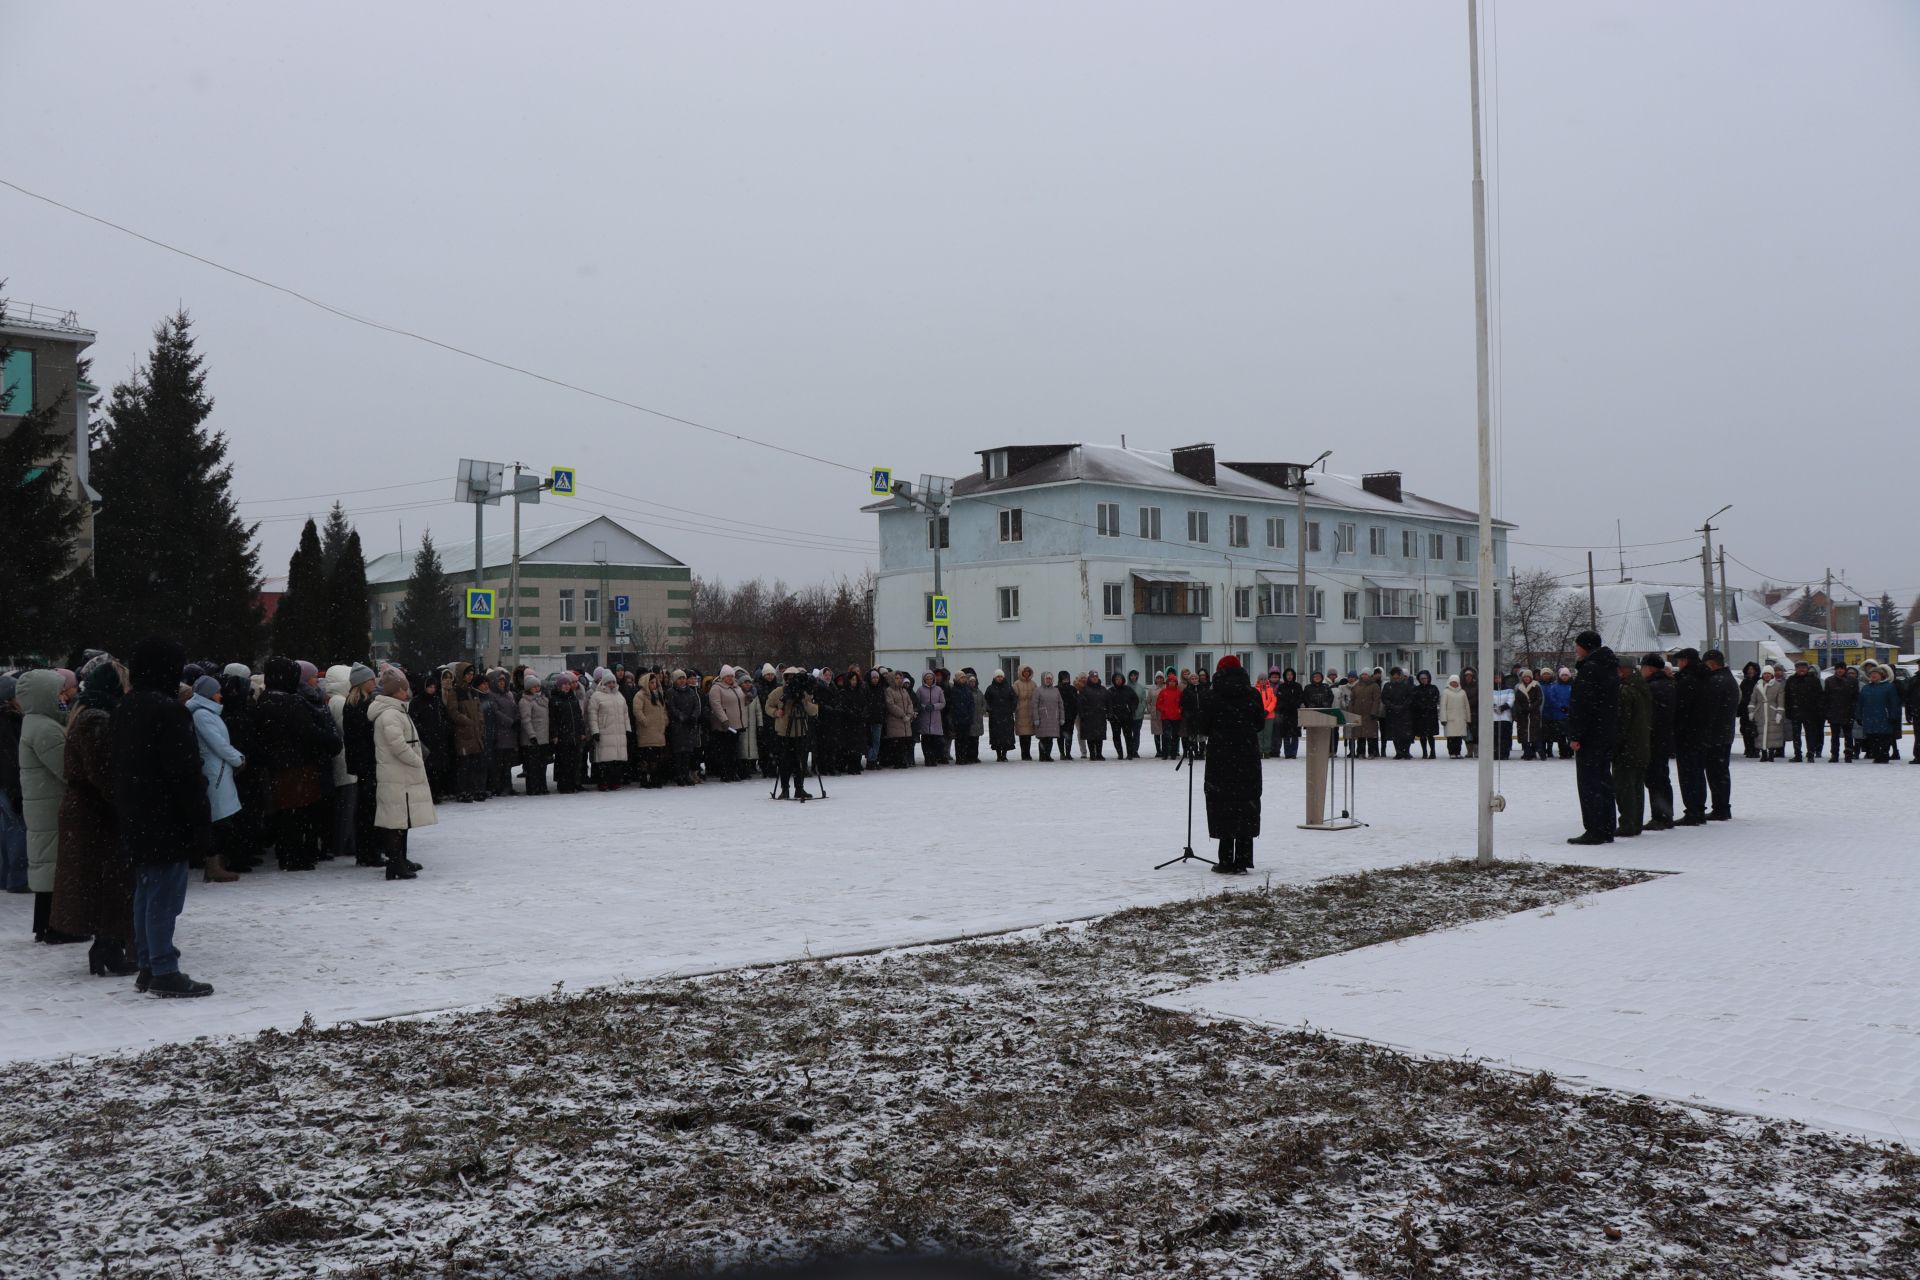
(1083, 557)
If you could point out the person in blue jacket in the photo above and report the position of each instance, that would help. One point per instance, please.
(219, 762)
(1556, 699)
(1878, 712)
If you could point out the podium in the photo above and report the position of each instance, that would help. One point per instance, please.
(1321, 727)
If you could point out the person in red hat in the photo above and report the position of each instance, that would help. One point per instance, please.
(1234, 718)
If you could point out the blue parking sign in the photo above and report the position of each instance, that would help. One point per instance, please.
(620, 604)
(506, 626)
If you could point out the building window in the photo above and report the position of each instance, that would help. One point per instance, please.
(1350, 606)
(1281, 597)
(1202, 600)
(1116, 667)
(1112, 599)
(997, 465)
(1436, 546)
(1010, 524)
(1109, 513)
(1236, 531)
(937, 533)
(16, 383)
(1313, 535)
(1440, 603)
(1009, 603)
(566, 604)
(1460, 547)
(1246, 660)
(1440, 662)
(1203, 661)
(1376, 540)
(1157, 663)
(1243, 602)
(1407, 540)
(1466, 604)
(592, 606)
(1010, 663)
(1150, 523)
(1196, 526)
(1347, 540)
(1276, 531)
(1316, 660)
(1393, 602)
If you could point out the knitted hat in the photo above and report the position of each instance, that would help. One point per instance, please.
(8, 685)
(726, 670)
(236, 669)
(1228, 663)
(360, 674)
(307, 671)
(678, 674)
(206, 686)
(1654, 662)
(766, 669)
(533, 684)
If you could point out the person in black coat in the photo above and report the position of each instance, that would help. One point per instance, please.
(1593, 729)
(249, 825)
(1723, 712)
(1001, 703)
(567, 726)
(430, 723)
(1123, 701)
(1396, 713)
(963, 718)
(1288, 698)
(1690, 736)
(1806, 711)
(298, 747)
(1426, 713)
(1235, 716)
(1660, 686)
(1193, 715)
(160, 799)
(1842, 697)
(1092, 712)
(1749, 677)
(1069, 712)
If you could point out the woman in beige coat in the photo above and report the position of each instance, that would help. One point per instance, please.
(403, 799)
(1023, 691)
(649, 729)
(607, 723)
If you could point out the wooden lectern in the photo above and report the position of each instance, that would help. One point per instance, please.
(1322, 729)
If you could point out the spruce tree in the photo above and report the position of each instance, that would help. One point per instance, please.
(427, 629)
(349, 629)
(300, 622)
(333, 537)
(172, 555)
(42, 519)
(1891, 622)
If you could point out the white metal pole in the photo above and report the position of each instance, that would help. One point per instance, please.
(1300, 612)
(1483, 791)
(478, 625)
(510, 648)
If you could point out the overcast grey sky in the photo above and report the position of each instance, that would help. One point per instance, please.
(895, 234)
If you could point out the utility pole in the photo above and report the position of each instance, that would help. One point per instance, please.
(1706, 568)
(1726, 614)
(510, 648)
(479, 625)
(1828, 608)
(1593, 608)
(1483, 789)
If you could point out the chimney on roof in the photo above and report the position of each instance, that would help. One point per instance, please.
(1385, 484)
(1195, 462)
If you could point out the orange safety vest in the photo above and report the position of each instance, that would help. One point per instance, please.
(1267, 699)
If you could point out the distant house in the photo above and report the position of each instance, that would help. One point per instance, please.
(41, 369)
(1098, 557)
(1649, 617)
(572, 577)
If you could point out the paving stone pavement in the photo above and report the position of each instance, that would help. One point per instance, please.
(1778, 972)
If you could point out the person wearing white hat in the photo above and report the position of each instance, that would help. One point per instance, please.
(726, 717)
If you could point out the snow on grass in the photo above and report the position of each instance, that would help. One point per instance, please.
(1014, 1097)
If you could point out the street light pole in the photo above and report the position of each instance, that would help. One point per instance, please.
(1483, 789)
(1300, 565)
(1706, 568)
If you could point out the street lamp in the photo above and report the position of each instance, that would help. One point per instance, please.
(1706, 567)
(1300, 483)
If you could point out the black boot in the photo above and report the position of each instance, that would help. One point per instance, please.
(106, 957)
(1224, 862)
(177, 985)
(1243, 854)
(398, 868)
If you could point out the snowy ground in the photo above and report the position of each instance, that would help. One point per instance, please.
(1778, 974)
(1775, 974)
(520, 894)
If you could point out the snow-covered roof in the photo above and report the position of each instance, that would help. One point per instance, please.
(575, 542)
(1153, 469)
(1643, 617)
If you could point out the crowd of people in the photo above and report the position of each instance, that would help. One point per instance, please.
(118, 779)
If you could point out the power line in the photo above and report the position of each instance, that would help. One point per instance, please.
(648, 502)
(342, 493)
(398, 331)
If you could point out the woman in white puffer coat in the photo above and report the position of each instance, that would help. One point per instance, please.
(403, 797)
(607, 723)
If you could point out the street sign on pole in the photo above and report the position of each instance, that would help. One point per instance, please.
(943, 636)
(562, 478)
(940, 608)
(506, 626)
(880, 481)
(480, 603)
(621, 604)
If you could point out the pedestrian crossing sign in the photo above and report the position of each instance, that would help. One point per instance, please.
(881, 481)
(943, 636)
(940, 609)
(479, 602)
(562, 478)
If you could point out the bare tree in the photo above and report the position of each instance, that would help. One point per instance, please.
(826, 624)
(1543, 617)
